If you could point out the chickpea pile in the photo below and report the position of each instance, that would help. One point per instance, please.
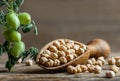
(60, 52)
(95, 66)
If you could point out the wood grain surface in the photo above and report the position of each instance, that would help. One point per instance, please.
(21, 72)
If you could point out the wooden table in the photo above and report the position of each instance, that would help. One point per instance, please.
(21, 72)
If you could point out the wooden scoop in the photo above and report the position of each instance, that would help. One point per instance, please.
(95, 48)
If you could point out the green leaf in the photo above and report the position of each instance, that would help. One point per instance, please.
(35, 30)
(32, 52)
(4, 2)
(8, 65)
(2, 17)
(11, 62)
(6, 46)
(19, 2)
(35, 27)
(27, 28)
(15, 6)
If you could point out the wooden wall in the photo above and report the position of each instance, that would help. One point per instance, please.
(80, 20)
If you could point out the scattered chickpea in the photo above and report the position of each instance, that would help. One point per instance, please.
(102, 59)
(83, 68)
(111, 61)
(99, 62)
(29, 62)
(19, 61)
(110, 74)
(79, 70)
(117, 58)
(118, 63)
(91, 68)
(114, 68)
(93, 61)
(89, 62)
(71, 69)
(97, 69)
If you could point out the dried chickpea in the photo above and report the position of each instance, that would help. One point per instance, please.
(61, 54)
(76, 47)
(99, 62)
(79, 70)
(43, 60)
(89, 61)
(102, 59)
(97, 69)
(110, 74)
(54, 56)
(45, 55)
(118, 63)
(29, 62)
(111, 61)
(80, 51)
(70, 51)
(53, 49)
(62, 42)
(63, 60)
(117, 58)
(62, 48)
(19, 61)
(49, 63)
(91, 68)
(70, 42)
(69, 46)
(70, 57)
(83, 68)
(93, 60)
(84, 46)
(114, 68)
(56, 43)
(88, 65)
(46, 52)
(71, 69)
(56, 62)
(75, 55)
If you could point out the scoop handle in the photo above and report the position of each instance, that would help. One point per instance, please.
(98, 47)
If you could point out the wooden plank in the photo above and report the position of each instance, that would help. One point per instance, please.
(21, 72)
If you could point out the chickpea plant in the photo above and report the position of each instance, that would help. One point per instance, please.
(12, 20)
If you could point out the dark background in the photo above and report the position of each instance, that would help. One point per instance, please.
(80, 20)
